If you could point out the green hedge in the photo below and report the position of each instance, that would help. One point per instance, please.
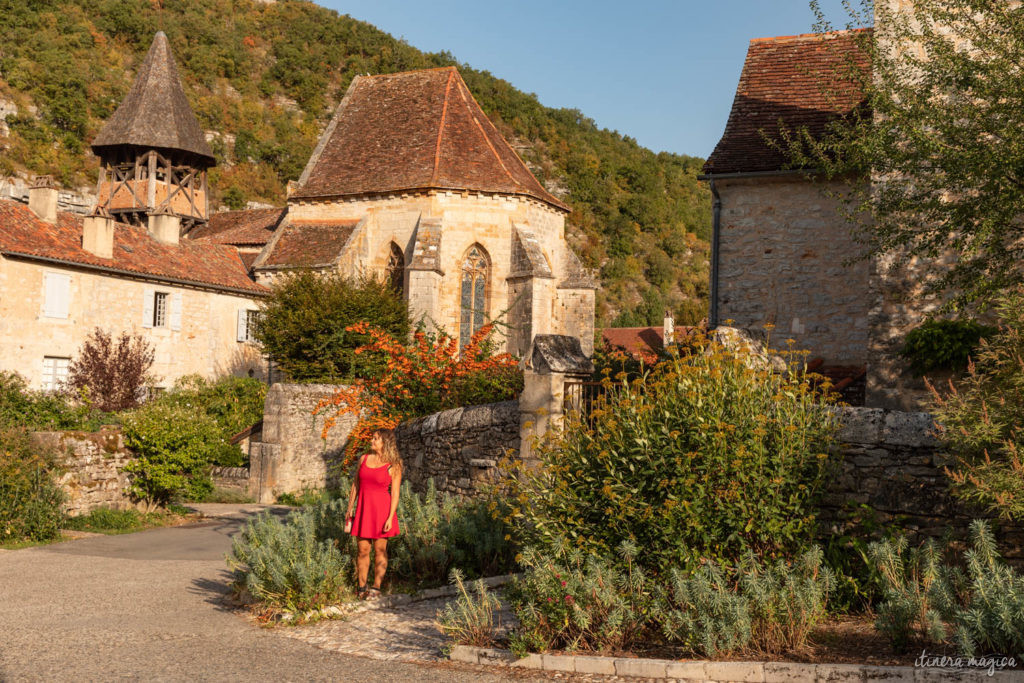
(31, 502)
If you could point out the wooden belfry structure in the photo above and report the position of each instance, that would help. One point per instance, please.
(153, 154)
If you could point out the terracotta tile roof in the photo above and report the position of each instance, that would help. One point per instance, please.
(797, 79)
(252, 227)
(411, 131)
(308, 244)
(155, 113)
(635, 339)
(248, 258)
(24, 234)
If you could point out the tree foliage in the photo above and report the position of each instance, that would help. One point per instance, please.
(305, 325)
(111, 373)
(939, 137)
(981, 417)
(426, 376)
(263, 77)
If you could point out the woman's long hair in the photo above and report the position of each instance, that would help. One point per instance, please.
(389, 447)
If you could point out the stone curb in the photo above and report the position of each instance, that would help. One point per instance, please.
(722, 672)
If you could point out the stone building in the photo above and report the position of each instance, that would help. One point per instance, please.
(124, 267)
(781, 252)
(411, 181)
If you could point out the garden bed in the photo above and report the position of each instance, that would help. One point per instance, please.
(844, 640)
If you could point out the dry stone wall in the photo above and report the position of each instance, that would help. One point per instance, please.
(292, 454)
(92, 468)
(458, 448)
(891, 462)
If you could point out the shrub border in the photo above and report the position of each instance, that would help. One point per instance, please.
(396, 600)
(718, 672)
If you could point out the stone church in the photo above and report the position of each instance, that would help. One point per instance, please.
(413, 182)
(410, 181)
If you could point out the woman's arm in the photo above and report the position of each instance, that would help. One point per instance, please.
(396, 488)
(352, 490)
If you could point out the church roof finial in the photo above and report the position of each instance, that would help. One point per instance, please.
(155, 113)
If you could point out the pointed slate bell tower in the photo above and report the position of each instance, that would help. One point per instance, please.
(153, 154)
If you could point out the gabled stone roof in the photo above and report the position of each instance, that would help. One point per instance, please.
(307, 245)
(155, 114)
(250, 227)
(416, 130)
(801, 81)
(24, 235)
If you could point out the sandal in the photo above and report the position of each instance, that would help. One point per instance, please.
(361, 592)
(372, 593)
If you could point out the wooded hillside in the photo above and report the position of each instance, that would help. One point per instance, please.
(264, 78)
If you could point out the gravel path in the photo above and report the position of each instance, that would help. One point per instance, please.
(150, 606)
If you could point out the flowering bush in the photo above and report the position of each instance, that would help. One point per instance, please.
(706, 456)
(425, 376)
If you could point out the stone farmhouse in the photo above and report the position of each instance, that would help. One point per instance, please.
(780, 250)
(410, 181)
(124, 267)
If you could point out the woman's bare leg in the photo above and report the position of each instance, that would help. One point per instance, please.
(380, 560)
(363, 561)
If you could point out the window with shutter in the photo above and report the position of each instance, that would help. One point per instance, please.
(56, 295)
(159, 309)
(246, 323)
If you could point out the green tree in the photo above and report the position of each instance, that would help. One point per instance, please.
(982, 418)
(939, 136)
(302, 324)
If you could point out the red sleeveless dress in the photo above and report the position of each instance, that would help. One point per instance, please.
(373, 502)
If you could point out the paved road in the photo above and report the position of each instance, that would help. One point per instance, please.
(149, 606)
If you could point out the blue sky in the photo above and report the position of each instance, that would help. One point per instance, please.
(661, 71)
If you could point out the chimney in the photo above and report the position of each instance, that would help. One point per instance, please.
(164, 226)
(42, 198)
(98, 233)
(669, 328)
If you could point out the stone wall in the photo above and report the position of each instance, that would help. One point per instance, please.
(781, 261)
(458, 448)
(291, 454)
(92, 466)
(891, 462)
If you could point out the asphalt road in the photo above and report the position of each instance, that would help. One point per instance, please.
(149, 606)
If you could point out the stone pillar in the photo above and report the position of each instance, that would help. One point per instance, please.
(553, 360)
(423, 293)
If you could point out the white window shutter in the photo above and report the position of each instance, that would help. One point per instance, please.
(56, 295)
(63, 296)
(147, 308)
(241, 331)
(176, 311)
(48, 295)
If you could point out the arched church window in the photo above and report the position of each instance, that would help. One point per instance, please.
(394, 270)
(475, 269)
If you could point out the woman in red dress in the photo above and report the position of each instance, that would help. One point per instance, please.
(375, 492)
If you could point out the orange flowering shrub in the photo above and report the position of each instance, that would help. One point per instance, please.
(417, 378)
